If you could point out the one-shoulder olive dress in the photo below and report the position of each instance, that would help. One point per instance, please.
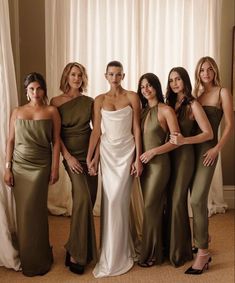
(75, 133)
(31, 170)
(202, 180)
(182, 167)
(153, 182)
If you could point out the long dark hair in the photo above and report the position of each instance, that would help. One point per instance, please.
(36, 77)
(154, 81)
(171, 97)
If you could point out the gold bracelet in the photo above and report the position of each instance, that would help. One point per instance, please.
(8, 165)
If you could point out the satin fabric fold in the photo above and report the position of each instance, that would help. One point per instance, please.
(202, 180)
(31, 170)
(117, 149)
(75, 132)
(153, 183)
(179, 243)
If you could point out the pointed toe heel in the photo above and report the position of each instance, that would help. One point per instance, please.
(194, 271)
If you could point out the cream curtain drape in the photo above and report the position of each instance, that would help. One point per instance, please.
(145, 35)
(8, 94)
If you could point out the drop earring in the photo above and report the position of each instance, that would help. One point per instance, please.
(28, 98)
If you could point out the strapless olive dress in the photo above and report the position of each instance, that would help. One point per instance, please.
(31, 170)
(154, 179)
(75, 132)
(202, 181)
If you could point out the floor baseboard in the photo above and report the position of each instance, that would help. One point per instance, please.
(229, 196)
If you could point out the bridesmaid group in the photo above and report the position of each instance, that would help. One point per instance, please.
(168, 141)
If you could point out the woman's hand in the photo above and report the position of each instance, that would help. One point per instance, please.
(74, 165)
(210, 156)
(93, 167)
(54, 177)
(147, 156)
(9, 178)
(136, 168)
(177, 138)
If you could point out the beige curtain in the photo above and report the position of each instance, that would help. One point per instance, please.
(145, 35)
(8, 94)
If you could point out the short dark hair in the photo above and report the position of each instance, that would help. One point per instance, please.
(154, 81)
(36, 77)
(114, 64)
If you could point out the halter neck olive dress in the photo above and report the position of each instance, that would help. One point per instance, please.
(202, 180)
(75, 132)
(182, 167)
(31, 170)
(153, 182)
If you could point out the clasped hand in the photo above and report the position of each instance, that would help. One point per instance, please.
(176, 138)
(136, 168)
(92, 167)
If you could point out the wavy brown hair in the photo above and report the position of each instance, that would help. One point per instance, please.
(64, 85)
(198, 82)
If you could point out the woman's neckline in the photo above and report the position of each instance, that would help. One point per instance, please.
(21, 119)
(214, 106)
(116, 109)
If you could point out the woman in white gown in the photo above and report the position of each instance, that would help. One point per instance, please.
(116, 126)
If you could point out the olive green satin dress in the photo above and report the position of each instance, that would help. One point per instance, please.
(75, 133)
(31, 170)
(153, 182)
(182, 168)
(202, 181)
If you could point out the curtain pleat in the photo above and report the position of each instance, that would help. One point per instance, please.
(9, 99)
(145, 35)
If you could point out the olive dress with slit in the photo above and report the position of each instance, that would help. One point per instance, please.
(75, 133)
(202, 180)
(153, 182)
(31, 171)
(179, 243)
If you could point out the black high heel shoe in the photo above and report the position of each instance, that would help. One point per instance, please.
(194, 271)
(67, 259)
(194, 250)
(76, 268)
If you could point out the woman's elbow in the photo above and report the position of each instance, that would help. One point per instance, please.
(210, 135)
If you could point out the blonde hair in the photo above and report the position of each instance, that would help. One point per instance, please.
(198, 82)
(64, 85)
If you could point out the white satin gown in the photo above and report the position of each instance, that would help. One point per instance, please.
(117, 149)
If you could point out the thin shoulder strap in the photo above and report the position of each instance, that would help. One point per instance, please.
(219, 98)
